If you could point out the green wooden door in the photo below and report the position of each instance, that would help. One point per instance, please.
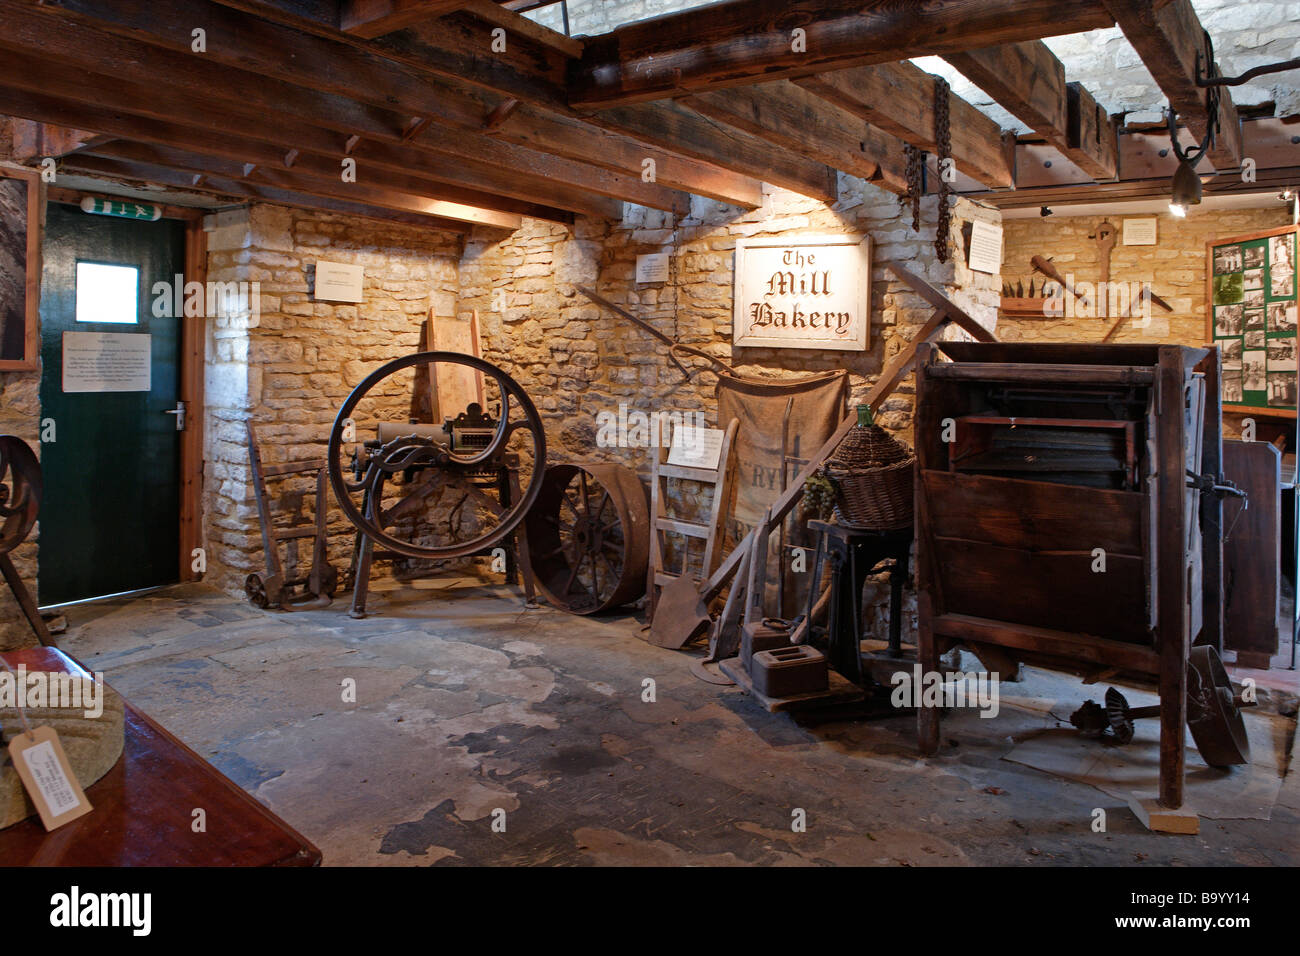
(110, 518)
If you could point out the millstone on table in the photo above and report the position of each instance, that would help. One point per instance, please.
(92, 745)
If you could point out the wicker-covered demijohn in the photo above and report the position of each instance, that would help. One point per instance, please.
(873, 476)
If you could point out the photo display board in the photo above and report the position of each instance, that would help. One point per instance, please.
(1252, 318)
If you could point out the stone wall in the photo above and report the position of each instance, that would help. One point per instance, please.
(289, 365)
(20, 414)
(578, 360)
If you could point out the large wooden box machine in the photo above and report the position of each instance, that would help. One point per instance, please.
(1059, 511)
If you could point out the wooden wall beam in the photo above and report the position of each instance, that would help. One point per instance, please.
(795, 119)
(1028, 81)
(899, 99)
(1171, 42)
(747, 41)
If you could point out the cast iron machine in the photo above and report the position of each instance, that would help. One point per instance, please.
(397, 495)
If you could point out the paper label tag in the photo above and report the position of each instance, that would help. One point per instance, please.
(48, 778)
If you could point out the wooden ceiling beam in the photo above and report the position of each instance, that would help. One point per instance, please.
(562, 136)
(381, 195)
(481, 163)
(216, 139)
(898, 98)
(285, 70)
(708, 141)
(374, 18)
(746, 41)
(34, 140)
(118, 171)
(1028, 81)
(795, 119)
(1171, 42)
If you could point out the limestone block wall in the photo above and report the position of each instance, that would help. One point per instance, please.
(578, 360)
(289, 364)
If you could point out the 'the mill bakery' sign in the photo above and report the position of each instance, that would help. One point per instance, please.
(809, 293)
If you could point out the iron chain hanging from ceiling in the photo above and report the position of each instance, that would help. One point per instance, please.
(915, 182)
(944, 144)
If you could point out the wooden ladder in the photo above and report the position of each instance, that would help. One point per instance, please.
(661, 523)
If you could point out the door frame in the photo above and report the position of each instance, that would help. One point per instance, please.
(192, 348)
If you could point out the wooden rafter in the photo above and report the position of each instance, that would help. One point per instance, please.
(133, 173)
(1029, 82)
(1171, 42)
(315, 76)
(238, 148)
(36, 141)
(373, 18)
(797, 120)
(747, 41)
(898, 98)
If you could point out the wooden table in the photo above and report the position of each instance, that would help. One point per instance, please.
(143, 807)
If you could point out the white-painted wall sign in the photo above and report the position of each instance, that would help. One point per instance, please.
(106, 361)
(652, 268)
(985, 254)
(1140, 232)
(338, 282)
(811, 292)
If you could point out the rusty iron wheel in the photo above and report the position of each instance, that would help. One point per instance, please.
(1213, 714)
(20, 491)
(401, 454)
(589, 537)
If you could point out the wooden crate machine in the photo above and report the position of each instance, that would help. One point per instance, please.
(1068, 513)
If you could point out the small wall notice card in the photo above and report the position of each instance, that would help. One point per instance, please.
(106, 361)
(805, 293)
(338, 282)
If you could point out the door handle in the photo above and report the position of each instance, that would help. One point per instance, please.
(179, 412)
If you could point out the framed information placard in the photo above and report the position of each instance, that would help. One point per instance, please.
(1251, 317)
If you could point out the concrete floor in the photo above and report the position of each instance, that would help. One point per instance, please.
(468, 705)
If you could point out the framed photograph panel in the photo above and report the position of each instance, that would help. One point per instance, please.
(1251, 316)
(20, 268)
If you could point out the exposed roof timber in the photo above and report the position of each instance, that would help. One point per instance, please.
(898, 98)
(257, 106)
(1041, 166)
(386, 193)
(1029, 82)
(747, 41)
(710, 141)
(373, 18)
(491, 12)
(115, 170)
(243, 148)
(529, 126)
(317, 66)
(1157, 188)
(33, 140)
(1171, 42)
(793, 118)
(537, 76)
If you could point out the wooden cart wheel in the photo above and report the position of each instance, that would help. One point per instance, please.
(255, 592)
(1213, 714)
(589, 537)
